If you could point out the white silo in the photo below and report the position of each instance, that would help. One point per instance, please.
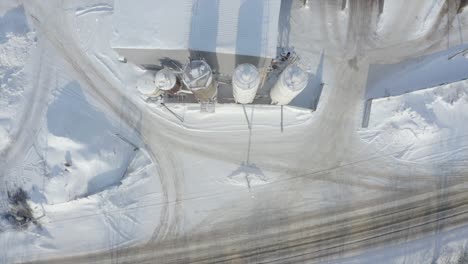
(197, 76)
(245, 81)
(290, 83)
(145, 84)
(166, 81)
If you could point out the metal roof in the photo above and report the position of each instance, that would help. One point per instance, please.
(243, 27)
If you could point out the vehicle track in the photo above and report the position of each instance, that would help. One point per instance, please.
(307, 236)
(313, 236)
(23, 136)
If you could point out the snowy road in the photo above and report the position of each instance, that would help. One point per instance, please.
(352, 232)
(366, 199)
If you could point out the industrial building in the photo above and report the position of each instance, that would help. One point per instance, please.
(219, 51)
(224, 33)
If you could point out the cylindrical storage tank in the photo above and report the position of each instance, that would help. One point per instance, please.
(290, 83)
(166, 80)
(145, 84)
(199, 79)
(245, 81)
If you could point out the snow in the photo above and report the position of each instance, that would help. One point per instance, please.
(224, 33)
(121, 215)
(231, 117)
(105, 169)
(452, 249)
(17, 40)
(83, 168)
(415, 26)
(423, 126)
(77, 130)
(237, 27)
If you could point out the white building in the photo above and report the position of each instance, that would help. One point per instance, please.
(224, 32)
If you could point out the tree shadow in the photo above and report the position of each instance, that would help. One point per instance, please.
(14, 22)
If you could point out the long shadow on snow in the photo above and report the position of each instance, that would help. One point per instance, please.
(13, 22)
(72, 116)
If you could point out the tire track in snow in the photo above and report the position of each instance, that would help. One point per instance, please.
(94, 9)
(97, 85)
(305, 238)
(23, 137)
(309, 239)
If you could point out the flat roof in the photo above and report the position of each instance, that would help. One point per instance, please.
(243, 27)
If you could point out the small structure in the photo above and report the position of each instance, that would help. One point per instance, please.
(166, 81)
(197, 76)
(245, 82)
(290, 83)
(145, 84)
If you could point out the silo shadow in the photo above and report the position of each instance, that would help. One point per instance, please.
(249, 38)
(204, 32)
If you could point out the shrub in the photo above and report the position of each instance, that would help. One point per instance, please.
(19, 214)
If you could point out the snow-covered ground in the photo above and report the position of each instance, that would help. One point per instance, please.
(426, 126)
(87, 173)
(17, 42)
(106, 170)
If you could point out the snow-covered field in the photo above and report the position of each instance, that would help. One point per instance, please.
(17, 42)
(87, 173)
(425, 126)
(111, 177)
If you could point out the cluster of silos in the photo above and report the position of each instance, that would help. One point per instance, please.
(245, 82)
(290, 83)
(198, 78)
(164, 81)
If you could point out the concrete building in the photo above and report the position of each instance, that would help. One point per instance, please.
(224, 33)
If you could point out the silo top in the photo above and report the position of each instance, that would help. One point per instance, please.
(145, 83)
(246, 76)
(197, 74)
(294, 78)
(165, 79)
